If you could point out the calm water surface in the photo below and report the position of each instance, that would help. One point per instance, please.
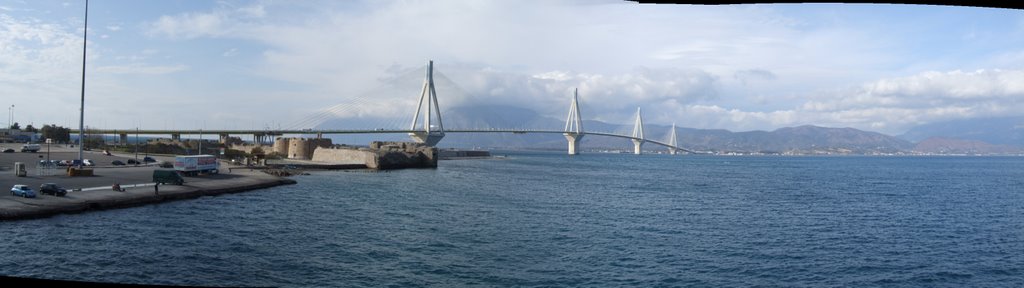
(540, 219)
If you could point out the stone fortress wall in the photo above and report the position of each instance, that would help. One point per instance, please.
(382, 155)
(299, 148)
(379, 155)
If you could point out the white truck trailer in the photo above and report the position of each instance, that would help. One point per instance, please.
(30, 148)
(195, 164)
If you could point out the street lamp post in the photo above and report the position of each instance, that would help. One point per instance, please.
(81, 109)
(136, 144)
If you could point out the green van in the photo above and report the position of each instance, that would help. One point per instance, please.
(167, 176)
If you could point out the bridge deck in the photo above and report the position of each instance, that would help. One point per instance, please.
(354, 131)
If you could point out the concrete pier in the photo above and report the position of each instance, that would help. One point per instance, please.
(574, 142)
(637, 146)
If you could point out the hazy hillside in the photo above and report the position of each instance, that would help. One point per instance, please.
(941, 145)
(1000, 131)
(804, 138)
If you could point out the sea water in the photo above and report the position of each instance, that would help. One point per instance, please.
(548, 219)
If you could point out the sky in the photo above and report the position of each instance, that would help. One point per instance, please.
(257, 64)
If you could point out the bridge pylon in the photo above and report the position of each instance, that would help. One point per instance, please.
(673, 141)
(574, 125)
(430, 133)
(638, 133)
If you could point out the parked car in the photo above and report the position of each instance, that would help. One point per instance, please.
(64, 163)
(49, 163)
(117, 163)
(23, 191)
(148, 159)
(52, 189)
(132, 162)
(166, 164)
(88, 162)
(9, 150)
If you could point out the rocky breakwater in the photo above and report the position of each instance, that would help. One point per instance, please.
(381, 155)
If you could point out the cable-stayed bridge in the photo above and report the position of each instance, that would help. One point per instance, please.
(427, 127)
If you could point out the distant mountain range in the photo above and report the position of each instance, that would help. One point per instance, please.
(942, 145)
(982, 136)
(1000, 131)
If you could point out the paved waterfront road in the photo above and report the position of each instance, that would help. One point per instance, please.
(95, 191)
(105, 175)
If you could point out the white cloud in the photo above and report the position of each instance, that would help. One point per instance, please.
(667, 94)
(733, 67)
(141, 69)
(953, 85)
(886, 105)
(255, 11)
(897, 104)
(606, 97)
(753, 75)
(32, 52)
(37, 66)
(191, 25)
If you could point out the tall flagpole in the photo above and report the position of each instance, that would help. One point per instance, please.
(81, 109)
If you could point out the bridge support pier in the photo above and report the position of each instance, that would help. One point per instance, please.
(574, 142)
(224, 138)
(636, 145)
(429, 138)
(122, 138)
(176, 137)
(673, 151)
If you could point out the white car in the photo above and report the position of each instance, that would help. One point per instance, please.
(88, 162)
